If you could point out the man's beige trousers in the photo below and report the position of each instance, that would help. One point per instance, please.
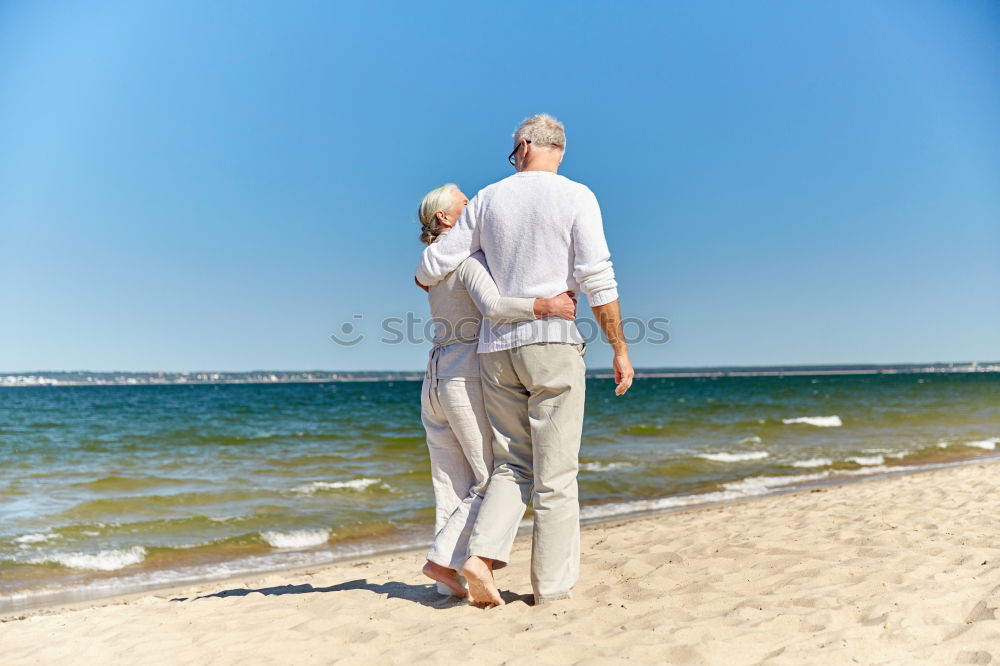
(534, 399)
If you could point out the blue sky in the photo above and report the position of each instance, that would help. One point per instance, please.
(190, 185)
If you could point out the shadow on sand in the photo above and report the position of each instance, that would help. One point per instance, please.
(425, 595)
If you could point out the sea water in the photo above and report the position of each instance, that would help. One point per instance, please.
(105, 489)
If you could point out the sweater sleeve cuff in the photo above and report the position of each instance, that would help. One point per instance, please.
(603, 297)
(422, 276)
(525, 309)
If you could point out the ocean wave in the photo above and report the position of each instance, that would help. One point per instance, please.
(883, 469)
(138, 579)
(36, 538)
(867, 460)
(604, 467)
(124, 483)
(813, 462)
(761, 485)
(353, 484)
(104, 560)
(734, 457)
(753, 439)
(602, 511)
(296, 539)
(818, 421)
(889, 453)
(988, 444)
(224, 519)
(749, 487)
(643, 430)
(754, 486)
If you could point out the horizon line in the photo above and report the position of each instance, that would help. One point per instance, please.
(682, 368)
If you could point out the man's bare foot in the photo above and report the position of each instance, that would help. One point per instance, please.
(446, 576)
(478, 572)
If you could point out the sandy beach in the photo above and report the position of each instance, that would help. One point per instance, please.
(891, 571)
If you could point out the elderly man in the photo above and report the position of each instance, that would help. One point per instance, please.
(542, 235)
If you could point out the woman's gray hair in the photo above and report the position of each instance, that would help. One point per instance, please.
(443, 198)
(542, 130)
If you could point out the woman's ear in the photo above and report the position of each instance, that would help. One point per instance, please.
(441, 216)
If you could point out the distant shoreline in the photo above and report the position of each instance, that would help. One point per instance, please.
(85, 378)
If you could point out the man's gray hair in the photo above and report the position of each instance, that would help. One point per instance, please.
(542, 130)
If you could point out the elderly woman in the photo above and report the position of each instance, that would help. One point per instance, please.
(459, 437)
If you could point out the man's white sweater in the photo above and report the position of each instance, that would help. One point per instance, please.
(542, 235)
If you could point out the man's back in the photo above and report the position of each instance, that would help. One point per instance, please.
(542, 235)
(525, 224)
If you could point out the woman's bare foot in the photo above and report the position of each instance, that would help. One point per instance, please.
(478, 572)
(446, 576)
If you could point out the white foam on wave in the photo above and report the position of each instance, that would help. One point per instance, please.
(296, 539)
(604, 467)
(988, 444)
(889, 453)
(818, 421)
(752, 439)
(734, 457)
(881, 469)
(761, 485)
(353, 484)
(754, 486)
(813, 462)
(660, 504)
(104, 560)
(867, 460)
(942, 445)
(142, 579)
(36, 538)
(749, 487)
